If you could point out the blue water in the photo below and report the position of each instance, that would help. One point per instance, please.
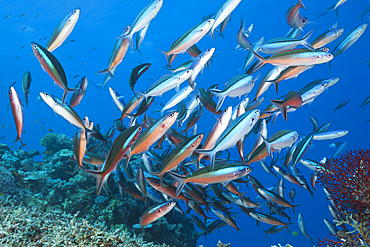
(102, 21)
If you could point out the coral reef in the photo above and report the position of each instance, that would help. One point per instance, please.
(348, 181)
(51, 185)
(29, 226)
(54, 142)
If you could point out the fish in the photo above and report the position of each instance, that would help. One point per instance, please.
(366, 10)
(26, 84)
(136, 73)
(140, 38)
(365, 102)
(36, 15)
(293, 99)
(282, 44)
(189, 38)
(217, 129)
(222, 13)
(348, 40)
(198, 64)
(329, 135)
(326, 38)
(63, 30)
(156, 211)
(273, 229)
(120, 147)
(302, 227)
(179, 154)
(24, 28)
(153, 133)
(293, 18)
(118, 100)
(15, 105)
(167, 83)
(237, 86)
(226, 218)
(280, 140)
(334, 7)
(233, 133)
(65, 111)
(177, 98)
(6, 17)
(256, 47)
(141, 183)
(269, 219)
(242, 37)
(117, 55)
(52, 66)
(79, 148)
(340, 149)
(143, 19)
(224, 172)
(341, 105)
(295, 57)
(207, 101)
(78, 96)
(129, 107)
(21, 15)
(276, 198)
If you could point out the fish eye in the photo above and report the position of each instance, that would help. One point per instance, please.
(209, 21)
(201, 30)
(188, 71)
(304, 20)
(328, 55)
(192, 145)
(252, 119)
(168, 203)
(159, 211)
(74, 11)
(171, 115)
(318, 57)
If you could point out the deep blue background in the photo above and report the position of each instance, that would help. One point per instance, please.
(102, 21)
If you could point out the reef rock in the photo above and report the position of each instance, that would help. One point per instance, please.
(7, 182)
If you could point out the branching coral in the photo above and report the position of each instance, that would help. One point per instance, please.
(21, 226)
(348, 181)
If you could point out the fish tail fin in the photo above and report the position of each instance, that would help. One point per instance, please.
(100, 85)
(79, 167)
(26, 98)
(213, 35)
(362, 107)
(304, 40)
(260, 63)
(209, 153)
(221, 97)
(268, 146)
(181, 181)
(282, 107)
(167, 56)
(295, 205)
(105, 71)
(19, 139)
(301, 4)
(142, 94)
(337, 12)
(287, 224)
(64, 96)
(100, 179)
